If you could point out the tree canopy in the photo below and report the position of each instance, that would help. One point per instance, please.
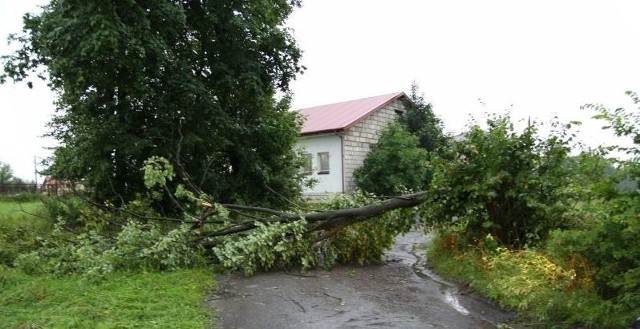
(6, 173)
(191, 81)
(400, 159)
(394, 164)
(420, 120)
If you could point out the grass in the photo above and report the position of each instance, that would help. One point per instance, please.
(125, 300)
(14, 212)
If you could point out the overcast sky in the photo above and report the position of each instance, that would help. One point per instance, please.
(537, 58)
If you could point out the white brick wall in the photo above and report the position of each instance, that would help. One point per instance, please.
(359, 139)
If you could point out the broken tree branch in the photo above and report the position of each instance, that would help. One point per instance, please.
(330, 220)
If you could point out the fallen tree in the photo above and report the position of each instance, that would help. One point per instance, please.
(329, 221)
(98, 238)
(353, 228)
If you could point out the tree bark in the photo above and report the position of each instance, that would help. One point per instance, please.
(330, 220)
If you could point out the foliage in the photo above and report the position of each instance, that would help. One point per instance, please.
(621, 121)
(420, 120)
(136, 247)
(6, 173)
(610, 246)
(395, 163)
(608, 239)
(503, 183)
(193, 82)
(268, 246)
(546, 293)
(94, 241)
(107, 297)
(593, 176)
(400, 159)
(275, 245)
(19, 228)
(364, 242)
(125, 300)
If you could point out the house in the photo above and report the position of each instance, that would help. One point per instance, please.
(56, 187)
(336, 138)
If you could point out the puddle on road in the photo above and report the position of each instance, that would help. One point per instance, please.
(413, 246)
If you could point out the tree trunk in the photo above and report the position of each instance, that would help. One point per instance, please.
(330, 220)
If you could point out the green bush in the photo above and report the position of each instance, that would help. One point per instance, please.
(500, 182)
(610, 244)
(72, 210)
(394, 164)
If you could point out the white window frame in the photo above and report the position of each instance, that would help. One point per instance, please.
(323, 163)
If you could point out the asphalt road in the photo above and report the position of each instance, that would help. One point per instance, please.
(401, 293)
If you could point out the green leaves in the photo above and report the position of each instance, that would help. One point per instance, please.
(501, 182)
(268, 246)
(395, 164)
(193, 82)
(157, 171)
(400, 160)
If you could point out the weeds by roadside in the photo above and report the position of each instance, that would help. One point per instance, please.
(546, 294)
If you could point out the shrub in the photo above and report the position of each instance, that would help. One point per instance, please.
(500, 182)
(610, 246)
(545, 292)
(394, 164)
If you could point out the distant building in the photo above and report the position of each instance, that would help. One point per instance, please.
(336, 138)
(56, 187)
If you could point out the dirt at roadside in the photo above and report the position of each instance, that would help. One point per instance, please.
(401, 293)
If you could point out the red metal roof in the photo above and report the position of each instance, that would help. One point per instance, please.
(341, 116)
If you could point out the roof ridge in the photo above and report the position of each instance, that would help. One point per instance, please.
(352, 100)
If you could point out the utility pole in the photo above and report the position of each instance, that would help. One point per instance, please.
(35, 172)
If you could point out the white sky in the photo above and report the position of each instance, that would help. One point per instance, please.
(538, 58)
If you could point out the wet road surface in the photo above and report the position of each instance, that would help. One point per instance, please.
(401, 293)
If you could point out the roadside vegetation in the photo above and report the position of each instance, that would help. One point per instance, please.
(41, 292)
(519, 218)
(551, 235)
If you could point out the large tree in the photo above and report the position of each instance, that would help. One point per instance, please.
(420, 120)
(194, 81)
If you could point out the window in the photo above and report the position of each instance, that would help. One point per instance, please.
(323, 160)
(307, 168)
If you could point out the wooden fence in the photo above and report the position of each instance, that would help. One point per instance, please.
(47, 189)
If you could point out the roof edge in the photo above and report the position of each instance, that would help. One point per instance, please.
(360, 119)
(322, 132)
